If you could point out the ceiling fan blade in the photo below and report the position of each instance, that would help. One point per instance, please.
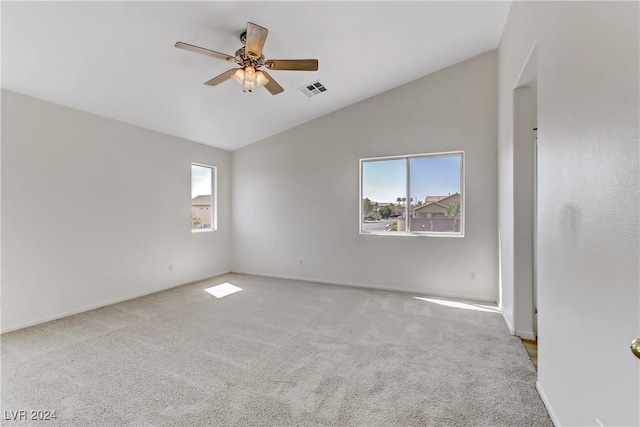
(221, 78)
(256, 36)
(292, 64)
(272, 86)
(212, 53)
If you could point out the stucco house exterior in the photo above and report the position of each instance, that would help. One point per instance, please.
(201, 212)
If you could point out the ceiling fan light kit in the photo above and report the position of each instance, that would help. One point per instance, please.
(249, 78)
(250, 59)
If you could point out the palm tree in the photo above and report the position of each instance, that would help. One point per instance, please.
(404, 200)
(453, 210)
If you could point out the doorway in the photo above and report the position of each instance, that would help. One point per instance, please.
(525, 176)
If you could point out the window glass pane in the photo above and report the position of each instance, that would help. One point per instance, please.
(384, 191)
(436, 190)
(201, 197)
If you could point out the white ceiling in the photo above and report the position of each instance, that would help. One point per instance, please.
(117, 59)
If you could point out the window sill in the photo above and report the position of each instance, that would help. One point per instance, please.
(415, 234)
(202, 230)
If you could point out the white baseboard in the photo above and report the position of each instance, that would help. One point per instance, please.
(367, 286)
(547, 405)
(526, 335)
(104, 304)
(512, 330)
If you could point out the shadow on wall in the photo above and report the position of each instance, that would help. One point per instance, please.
(570, 222)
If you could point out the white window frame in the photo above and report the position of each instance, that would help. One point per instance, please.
(214, 198)
(408, 190)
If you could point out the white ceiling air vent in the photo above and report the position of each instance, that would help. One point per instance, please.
(313, 88)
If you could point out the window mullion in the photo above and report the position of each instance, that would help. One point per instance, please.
(407, 206)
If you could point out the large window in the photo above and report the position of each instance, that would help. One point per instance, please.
(203, 198)
(420, 194)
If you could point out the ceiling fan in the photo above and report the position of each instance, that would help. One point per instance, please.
(250, 59)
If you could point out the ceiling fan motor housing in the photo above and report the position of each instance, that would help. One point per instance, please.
(243, 59)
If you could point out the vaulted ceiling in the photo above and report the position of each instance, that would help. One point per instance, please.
(117, 59)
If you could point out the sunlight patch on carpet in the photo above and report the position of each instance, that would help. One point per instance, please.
(223, 290)
(457, 304)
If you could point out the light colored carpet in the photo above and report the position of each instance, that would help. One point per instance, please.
(279, 352)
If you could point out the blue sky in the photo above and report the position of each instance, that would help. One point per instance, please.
(200, 181)
(385, 180)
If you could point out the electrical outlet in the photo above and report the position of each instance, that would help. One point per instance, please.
(473, 275)
(300, 262)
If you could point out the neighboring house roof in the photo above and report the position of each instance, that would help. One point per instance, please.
(201, 200)
(432, 208)
(430, 199)
(443, 201)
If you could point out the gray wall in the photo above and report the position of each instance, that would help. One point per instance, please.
(295, 195)
(94, 211)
